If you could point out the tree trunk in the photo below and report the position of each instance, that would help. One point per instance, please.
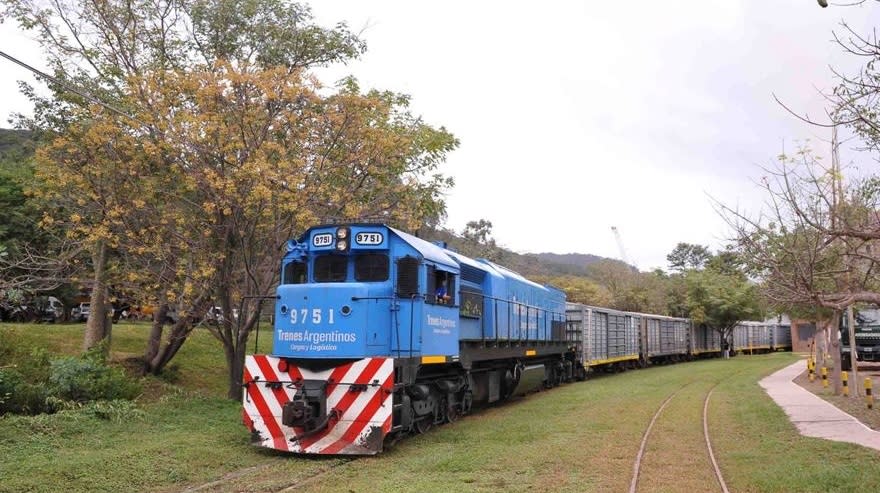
(155, 340)
(98, 324)
(821, 345)
(176, 337)
(833, 331)
(726, 343)
(235, 363)
(235, 352)
(157, 356)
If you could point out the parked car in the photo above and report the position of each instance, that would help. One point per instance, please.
(51, 309)
(215, 315)
(80, 313)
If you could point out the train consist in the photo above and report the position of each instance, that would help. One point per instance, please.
(379, 334)
(610, 339)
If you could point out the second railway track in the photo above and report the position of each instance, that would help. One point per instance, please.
(650, 436)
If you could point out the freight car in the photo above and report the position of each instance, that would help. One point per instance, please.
(608, 339)
(666, 339)
(379, 334)
(780, 337)
(705, 341)
(616, 340)
(752, 337)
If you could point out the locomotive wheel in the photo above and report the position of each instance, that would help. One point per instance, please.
(451, 414)
(391, 440)
(424, 424)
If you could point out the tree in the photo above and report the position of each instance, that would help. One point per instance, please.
(18, 218)
(688, 256)
(630, 289)
(479, 242)
(26, 265)
(578, 289)
(230, 149)
(817, 245)
(721, 301)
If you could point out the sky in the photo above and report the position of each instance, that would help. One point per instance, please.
(575, 117)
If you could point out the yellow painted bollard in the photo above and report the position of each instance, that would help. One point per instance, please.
(825, 377)
(844, 379)
(812, 369)
(868, 396)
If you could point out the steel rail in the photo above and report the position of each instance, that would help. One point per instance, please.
(709, 442)
(638, 463)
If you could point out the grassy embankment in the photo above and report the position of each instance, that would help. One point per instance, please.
(581, 437)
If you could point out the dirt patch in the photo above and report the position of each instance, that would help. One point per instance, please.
(854, 405)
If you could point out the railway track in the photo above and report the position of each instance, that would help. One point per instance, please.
(640, 456)
(317, 475)
(637, 465)
(227, 483)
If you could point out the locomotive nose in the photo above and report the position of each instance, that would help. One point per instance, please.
(323, 322)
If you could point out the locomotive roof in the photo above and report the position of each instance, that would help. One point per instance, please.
(427, 249)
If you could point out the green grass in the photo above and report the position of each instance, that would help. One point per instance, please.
(187, 432)
(579, 437)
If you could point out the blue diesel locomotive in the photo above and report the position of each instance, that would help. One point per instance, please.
(379, 334)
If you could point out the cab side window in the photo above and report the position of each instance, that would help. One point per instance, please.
(295, 273)
(441, 286)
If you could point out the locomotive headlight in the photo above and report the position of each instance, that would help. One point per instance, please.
(342, 235)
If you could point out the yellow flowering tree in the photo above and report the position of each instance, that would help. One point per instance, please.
(229, 148)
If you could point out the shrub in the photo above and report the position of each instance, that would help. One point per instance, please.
(33, 383)
(20, 396)
(86, 379)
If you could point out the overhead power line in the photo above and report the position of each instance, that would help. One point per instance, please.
(69, 87)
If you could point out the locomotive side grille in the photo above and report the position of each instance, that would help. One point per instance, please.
(471, 274)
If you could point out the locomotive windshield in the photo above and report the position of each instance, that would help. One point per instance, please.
(331, 268)
(368, 267)
(371, 267)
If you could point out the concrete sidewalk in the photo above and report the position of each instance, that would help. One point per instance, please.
(813, 416)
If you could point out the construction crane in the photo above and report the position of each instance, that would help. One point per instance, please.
(623, 255)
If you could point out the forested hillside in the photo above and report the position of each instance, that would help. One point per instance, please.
(15, 142)
(17, 223)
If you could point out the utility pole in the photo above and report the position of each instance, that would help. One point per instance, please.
(837, 198)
